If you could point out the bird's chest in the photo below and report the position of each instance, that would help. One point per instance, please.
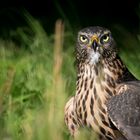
(90, 105)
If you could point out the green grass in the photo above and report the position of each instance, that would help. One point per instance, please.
(36, 80)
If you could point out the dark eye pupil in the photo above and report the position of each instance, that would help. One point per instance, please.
(105, 36)
(83, 38)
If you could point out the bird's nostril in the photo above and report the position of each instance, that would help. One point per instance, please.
(94, 44)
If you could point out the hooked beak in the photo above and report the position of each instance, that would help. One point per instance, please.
(94, 42)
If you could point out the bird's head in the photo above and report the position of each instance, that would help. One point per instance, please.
(95, 43)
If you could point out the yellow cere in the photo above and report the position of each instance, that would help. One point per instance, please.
(94, 37)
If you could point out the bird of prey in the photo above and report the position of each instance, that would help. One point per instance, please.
(107, 98)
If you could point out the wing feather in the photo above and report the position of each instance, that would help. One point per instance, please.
(124, 111)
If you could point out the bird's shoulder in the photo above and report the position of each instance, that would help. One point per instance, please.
(124, 109)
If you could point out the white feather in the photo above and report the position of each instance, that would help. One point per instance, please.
(94, 57)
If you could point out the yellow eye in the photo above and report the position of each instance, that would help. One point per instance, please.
(83, 38)
(105, 38)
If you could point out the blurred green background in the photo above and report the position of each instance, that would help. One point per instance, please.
(37, 71)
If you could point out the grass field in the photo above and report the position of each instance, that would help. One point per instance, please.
(37, 77)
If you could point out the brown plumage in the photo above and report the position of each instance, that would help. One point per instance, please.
(107, 94)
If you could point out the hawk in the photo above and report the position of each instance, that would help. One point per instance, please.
(107, 98)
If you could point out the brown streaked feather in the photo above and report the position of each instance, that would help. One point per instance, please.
(70, 118)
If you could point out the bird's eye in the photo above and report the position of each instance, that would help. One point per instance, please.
(83, 38)
(104, 38)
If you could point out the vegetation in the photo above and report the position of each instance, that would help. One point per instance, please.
(37, 77)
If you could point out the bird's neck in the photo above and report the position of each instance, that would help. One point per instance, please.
(114, 68)
(117, 70)
(105, 75)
